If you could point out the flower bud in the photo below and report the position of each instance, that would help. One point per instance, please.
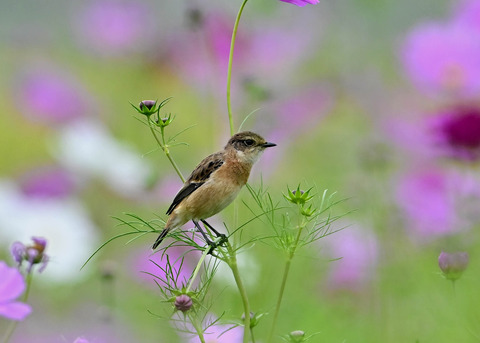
(183, 303)
(147, 105)
(453, 265)
(297, 336)
(298, 196)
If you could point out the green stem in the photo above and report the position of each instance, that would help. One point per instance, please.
(165, 150)
(14, 323)
(284, 282)
(198, 329)
(229, 71)
(197, 268)
(232, 263)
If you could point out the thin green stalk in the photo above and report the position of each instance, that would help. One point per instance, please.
(229, 71)
(14, 323)
(284, 281)
(166, 150)
(232, 263)
(197, 268)
(198, 329)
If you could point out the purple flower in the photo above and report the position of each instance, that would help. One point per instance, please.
(146, 264)
(33, 254)
(11, 286)
(425, 198)
(468, 14)
(443, 58)
(453, 264)
(115, 27)
(80, 340)
(47, 182)
(302, 3)
(50, 96)
(457, 132)
(357, 250)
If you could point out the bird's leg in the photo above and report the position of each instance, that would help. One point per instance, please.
(212, 245)
(223, 238)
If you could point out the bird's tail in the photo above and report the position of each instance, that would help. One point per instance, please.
(160, 238)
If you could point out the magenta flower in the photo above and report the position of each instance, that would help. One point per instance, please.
(146, 265)
(115, 27)
(468, 14)
(50, 96)
(426, 200)
(47, 182)
(457, 132)
(302, 3)
(32, 254)
(443, 58)
(357, 250)
(81, 340)
(11, 286)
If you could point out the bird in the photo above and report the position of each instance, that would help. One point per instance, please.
(214, 183)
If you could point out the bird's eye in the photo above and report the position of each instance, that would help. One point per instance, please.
(249, 142)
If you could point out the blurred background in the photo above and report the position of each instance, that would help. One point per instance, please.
(377, 100)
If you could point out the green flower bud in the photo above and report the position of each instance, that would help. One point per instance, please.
(183, 303)
(453, 265)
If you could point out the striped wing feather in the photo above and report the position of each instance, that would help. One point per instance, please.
(197, 178)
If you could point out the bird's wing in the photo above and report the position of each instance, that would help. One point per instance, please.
(198, 177)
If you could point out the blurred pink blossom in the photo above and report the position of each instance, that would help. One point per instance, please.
(441, 58)
(302, 3)
(456, 131)
(47, 182)
(468, 13)
(221, 334)
(144, 264)
(50, 96)
(113, 27)
(357, 251)
(426, 198)
(12, 285)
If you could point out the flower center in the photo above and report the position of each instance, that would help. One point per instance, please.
(463, 129)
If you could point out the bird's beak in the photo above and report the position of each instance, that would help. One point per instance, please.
(268, 145)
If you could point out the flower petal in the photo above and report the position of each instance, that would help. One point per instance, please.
(15, 310)
(11, 283)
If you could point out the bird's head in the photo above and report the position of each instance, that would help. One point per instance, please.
(248, 145)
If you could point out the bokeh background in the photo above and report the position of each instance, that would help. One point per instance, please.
(377, 100)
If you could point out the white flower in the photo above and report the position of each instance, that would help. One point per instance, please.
(63, 222)
(87, 148)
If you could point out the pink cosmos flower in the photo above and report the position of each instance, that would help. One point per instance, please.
(143, 268)
(456, 132)
(357, 250)
(302, 3)
(468, 14)
(115, 27)
(50, 96)
(12, 285)
(428, 200)
(442, 58)
(47, 182)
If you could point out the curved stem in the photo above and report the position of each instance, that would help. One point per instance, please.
(229, 71)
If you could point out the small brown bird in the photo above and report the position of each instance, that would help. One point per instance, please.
(215, 182)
